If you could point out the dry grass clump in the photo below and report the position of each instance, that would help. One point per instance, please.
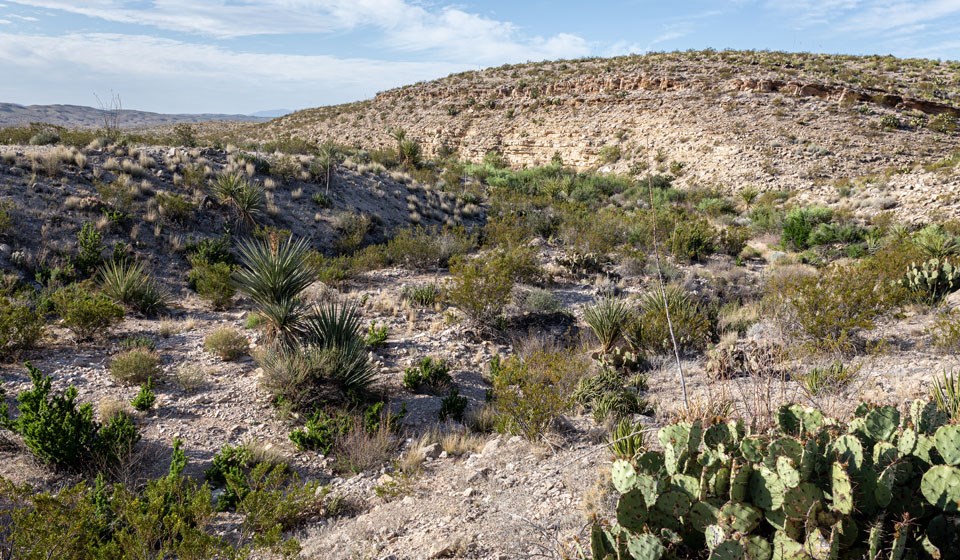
(190, 377)
(135, 366)
(226, 342)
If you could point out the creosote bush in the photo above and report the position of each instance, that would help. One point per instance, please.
(428, 375)
(481, 286)
(88, 314)
(21, 326)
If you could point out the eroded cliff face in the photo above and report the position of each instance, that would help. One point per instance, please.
(710, 120)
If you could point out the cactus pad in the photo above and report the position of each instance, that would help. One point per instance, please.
(631, 510)
(788, 474)
(947, 440)
(841, 489)
(797, 501)
(717, 435)
(741, 518)
(850, 451)
(941, 487)
(766, 489)
(907, 441)
(624, 476)
(703, 514)
(674, 503)
(753, 449)
(882, 422)
(727, 550)
(783, 447)
(740, 476)
(644, 547)
(785, 548)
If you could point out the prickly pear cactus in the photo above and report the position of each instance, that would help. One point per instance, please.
(947, 441)
(941, 487)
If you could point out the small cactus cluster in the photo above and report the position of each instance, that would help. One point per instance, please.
(932, 280)
(886, 487)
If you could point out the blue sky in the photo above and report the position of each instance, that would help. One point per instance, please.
(241, 56)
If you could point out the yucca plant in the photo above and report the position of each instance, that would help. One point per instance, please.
(935, 243)
(274, 275)
(946, 394)
(245, 198)
(608, 318)
(127, 283)
(626, 439)
(334, 327)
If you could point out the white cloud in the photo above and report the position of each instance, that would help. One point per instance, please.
(176, 76)
(5, 22)
(811, 13)
(886, 15)
(448, 33)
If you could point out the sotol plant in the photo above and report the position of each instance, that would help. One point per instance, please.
(884, 487)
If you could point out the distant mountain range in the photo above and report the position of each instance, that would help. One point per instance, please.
(77, 116)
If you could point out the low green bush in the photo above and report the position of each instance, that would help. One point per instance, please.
(481, 286)
(607, 394)
(428, 248)
(21, 326)
(212, 282)
(88, 314)
(453, 406)
(376, 335)
(799, 223)
(429, 374)
(145, 398)
(62, 434)
(884, 483)
(692, 240)
(422, 295)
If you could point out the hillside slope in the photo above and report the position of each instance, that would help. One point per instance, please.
(774, 121)
(78, 116)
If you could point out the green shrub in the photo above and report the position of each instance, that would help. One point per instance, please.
(934, 242)
(692, 240)
(274, 276)
(128, 284)
(145, 398)
(732, 240)
(227, 343)
(452, 406)
(352, 229)
(174, 208)
(210, 251)
(44, 138)
(89, 248)
(321, 432)
(212, 282)
(60, 433)
(87, 314)
(945, 332)
(430, 374)
(20, 328)
(540, 300)
(481, 286)
(692, 326)
(376, 335)
(135, 366)
(427, 249)
(530, 392)
(790, 491)
(799, 223)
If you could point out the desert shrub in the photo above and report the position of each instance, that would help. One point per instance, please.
(62, 434)
(376, 335)
(351, 228)
(766, 218)
(945, 332)
(607, 394)
(943, 123)
(813, 469)
(89, 248)
(452, 406)
(135, 366)
(799, 223)
(429, 374)
(829, 233)
(731, 240)
(88, 314)
(174, 208)
(145, 398)
(6, 220)
(128, 284)
(426, 249)
(21, 326)
(829, 379)
(930, 282)
(44, 138)
(422, 295)
(608, 317)
(610, 154)
(274, 276)
(320, 432)
(692, 240)
(540, 300)
(692, 325)
(227, 343)
(827, 311)
(530, 392)
(210, 250)
(481, 286)
(212, 282)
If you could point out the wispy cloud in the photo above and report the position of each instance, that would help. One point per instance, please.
(885, 16)
(811, 13)
(448, 33)
(174, 74)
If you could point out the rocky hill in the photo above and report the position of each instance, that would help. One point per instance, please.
(774, 121)
(78, 116)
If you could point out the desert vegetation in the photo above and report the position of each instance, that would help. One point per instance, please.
(245, 346)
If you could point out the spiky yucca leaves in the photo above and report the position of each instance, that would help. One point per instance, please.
(335, 327)
(936, 243)
(691, 325)
(128, 283)
(245, 198)
(946, 394)
(608, 318)
(274, 275)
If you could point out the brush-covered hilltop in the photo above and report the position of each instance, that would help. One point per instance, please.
(876, 127)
